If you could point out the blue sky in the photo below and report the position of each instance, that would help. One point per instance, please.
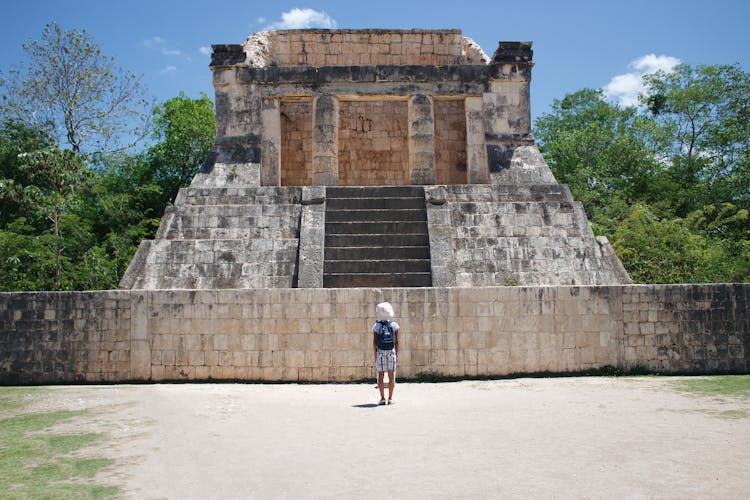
(577, 44)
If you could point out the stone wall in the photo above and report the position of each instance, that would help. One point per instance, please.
(372, 143)
(322, 334)
(50, 337)
(450, 141)
(361, 47)
(296, 143)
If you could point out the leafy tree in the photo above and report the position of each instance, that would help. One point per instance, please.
(185, 129)
(16, 139)
(75, 94)
(705, 110)
(56, 175)
(26, 258)
(657, 250)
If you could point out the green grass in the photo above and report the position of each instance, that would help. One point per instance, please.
(37, 463)
(12, 398)
(726, 385)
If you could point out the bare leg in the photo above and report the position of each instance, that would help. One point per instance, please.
(391, 384)
(381, 385)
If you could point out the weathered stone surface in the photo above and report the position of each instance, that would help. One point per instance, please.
(421, 140)
(325, 171)
(277, 334)
(312, 238)
(436, 195)
(539, 237)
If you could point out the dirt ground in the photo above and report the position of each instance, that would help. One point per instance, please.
(522, 438)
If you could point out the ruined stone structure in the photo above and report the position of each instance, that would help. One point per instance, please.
(353, 167)
(348, 158)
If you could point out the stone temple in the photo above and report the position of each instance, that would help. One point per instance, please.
(353, 167)
(372, 158)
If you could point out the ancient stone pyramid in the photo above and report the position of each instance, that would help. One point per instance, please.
(372, 158)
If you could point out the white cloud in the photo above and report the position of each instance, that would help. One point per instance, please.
(261, 20)
(205, 50)
(625, 88)
(168, 69)
(302, 18)
(160, 44)
(153, 42)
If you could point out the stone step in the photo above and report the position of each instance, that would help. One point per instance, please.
(366, 253)
(357, 228)
(377, 266)
(367, 215)
(376, 236)
(375, 192)
(217, 263)
(520, 218)
(265, 195)
(233, 222)
(508, 193)
(376, 240)
(377, 280)
(374, 203)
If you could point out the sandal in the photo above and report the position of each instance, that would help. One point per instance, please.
(381, 402)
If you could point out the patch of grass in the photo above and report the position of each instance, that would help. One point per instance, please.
(604, 371)
(734, 414)
(12, 398)
(726, 385)
(36, 463)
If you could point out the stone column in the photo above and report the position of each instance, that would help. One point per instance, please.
(270, 169)
(421, 140)
(235, 158)
(325, 167)
(507, 113)
(476, 153)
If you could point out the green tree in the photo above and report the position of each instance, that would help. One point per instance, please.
(657, 250)
(185, 129)
(705, 111)
(16, 139)
(67, 88)
(56, 175)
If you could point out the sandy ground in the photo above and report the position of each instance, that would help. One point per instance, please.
(523, 438)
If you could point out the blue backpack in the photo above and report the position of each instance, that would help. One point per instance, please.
(386, 337)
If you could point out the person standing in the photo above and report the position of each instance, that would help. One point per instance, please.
(385, 349)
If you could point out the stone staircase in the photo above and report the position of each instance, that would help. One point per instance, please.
(376, 237)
